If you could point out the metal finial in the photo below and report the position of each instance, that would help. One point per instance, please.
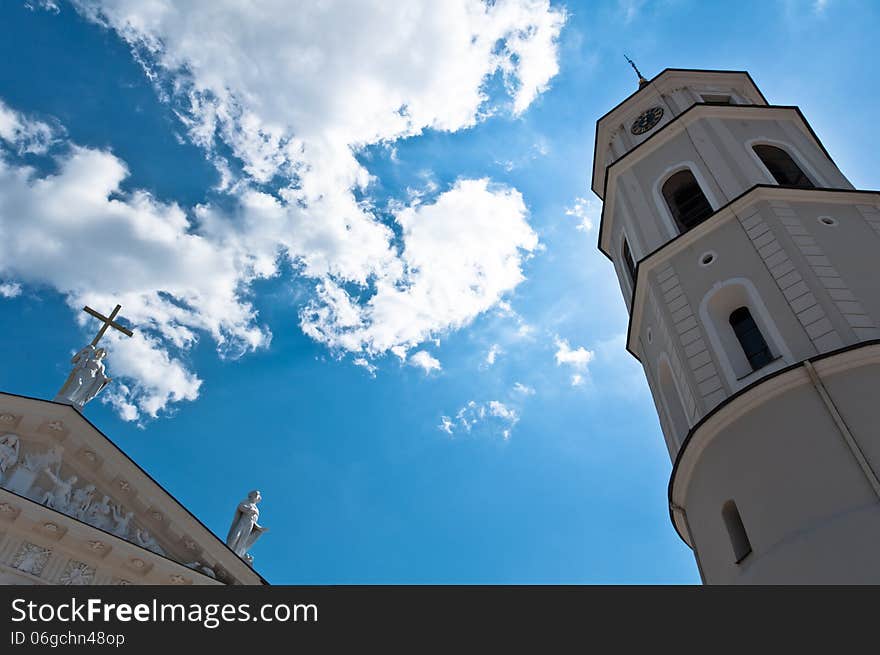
(642, 80)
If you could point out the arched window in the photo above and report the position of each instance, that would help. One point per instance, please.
(686, 200)
(750, 338)
(629, 262)
(739, 540)
(742, 332)
(782, 167)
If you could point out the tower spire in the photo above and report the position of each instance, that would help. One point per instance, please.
(642, 80)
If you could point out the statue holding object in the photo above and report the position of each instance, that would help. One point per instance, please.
(88, 377)
(245, 530)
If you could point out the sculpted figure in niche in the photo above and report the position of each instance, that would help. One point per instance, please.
(51, 459)
(121, 522)
(245, 530)
(10, 448)
(59, 497)
(82, 499)
(98, 514)
(146, 540)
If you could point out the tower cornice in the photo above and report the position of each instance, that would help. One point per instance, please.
(724, 214)
(673, 128)
(661, 83)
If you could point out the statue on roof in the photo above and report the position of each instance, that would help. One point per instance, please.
(245, 530)
(88, 376)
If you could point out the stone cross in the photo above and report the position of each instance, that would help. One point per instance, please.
(88, 376)
(108, 322)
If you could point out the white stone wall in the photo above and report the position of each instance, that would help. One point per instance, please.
(809, 277)
(719, 153)
(810, 514)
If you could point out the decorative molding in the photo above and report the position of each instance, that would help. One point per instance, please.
(51, 530)
(42, 427)
(691, 342)
(871, 214)
(812, 317)
(77, 573)
(742, 205)
(8, 512)
(31, 558)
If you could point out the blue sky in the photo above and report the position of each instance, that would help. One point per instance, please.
(359, 252)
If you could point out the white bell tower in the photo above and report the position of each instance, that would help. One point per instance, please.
(751, 269)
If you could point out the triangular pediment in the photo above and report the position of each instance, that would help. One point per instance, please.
(55, 458)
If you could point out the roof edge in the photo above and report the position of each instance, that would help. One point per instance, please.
(70, 408)
(657, 77)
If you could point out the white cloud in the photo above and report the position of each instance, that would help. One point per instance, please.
(425, 361)
(523, 389)
(462, 253)
(492, 354)
(502, 411)
(159, 378)
(576, 358)
(277, 83)
(631, 8)
(492, 417)
(10, 289)
(446, 424)
(23, 134)
(293, 95)
(77, 231)
(586, 211)
(365, 363)
(48, 5)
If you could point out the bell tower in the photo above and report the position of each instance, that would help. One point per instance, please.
(751, 270)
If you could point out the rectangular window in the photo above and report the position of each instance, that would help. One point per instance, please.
(629, 262)
(750, 338)
(717, 99)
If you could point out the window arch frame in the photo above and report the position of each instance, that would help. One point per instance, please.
(763, 319)
(806, 167)
(660, 199)
(746, 313)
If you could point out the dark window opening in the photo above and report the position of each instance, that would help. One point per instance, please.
(686, 200)
(629, 262)
(782, 167)
(750, 338)
(717, 100)
(739, 540)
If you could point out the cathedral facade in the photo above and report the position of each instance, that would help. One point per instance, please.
(75, 510)
(751, 270)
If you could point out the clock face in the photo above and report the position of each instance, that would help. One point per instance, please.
(646, 120)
